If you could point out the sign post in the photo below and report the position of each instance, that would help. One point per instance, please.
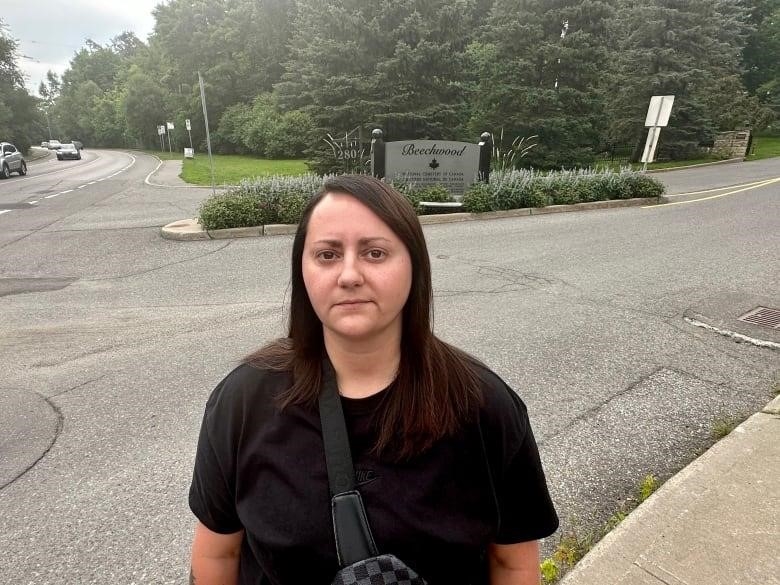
(161, 133)
(189, 128)
(169, 127)
(657, 117)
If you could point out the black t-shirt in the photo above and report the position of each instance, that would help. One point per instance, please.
(263, 470)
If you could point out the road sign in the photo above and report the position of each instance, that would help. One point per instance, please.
(170, 125)
(659, 111)
(160, 130)
(187, 124)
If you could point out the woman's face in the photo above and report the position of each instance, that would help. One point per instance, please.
(357, 272)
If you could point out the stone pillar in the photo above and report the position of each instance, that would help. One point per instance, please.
(485, 156)
(377, 154)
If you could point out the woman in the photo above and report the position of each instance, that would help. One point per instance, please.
(444, 455)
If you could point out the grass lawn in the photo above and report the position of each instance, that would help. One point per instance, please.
(229, 169)
(765, 147)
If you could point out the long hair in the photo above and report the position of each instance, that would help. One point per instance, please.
(437, 388)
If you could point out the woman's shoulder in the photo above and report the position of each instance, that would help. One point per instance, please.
(247, 386)
(500, 402)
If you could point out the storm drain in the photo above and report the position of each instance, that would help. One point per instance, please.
(763, 316)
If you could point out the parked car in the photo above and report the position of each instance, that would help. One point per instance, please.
(54, 145)
(45, 144)
(68, 150)
(11, 161)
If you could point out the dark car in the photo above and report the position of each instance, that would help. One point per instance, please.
(68, 150)
(11, 161)
(78, 144)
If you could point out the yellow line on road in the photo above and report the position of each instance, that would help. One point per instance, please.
(751, 186)
(718, 189)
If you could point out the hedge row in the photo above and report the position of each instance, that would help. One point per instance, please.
(526, 188)
(281, 199)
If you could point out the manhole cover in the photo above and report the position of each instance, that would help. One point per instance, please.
(763, 316)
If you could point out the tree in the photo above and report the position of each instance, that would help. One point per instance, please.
(19, 116)
(395, 65)
(537, 70)
(238, 45)
(674, 47)
(144, 108)
(761, 57)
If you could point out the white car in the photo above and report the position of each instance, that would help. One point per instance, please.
(54, 145)
(11, 161)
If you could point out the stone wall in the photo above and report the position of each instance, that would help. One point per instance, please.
(732, 144)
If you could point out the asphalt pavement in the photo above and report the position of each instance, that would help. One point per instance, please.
(717, 521)
(620, 328)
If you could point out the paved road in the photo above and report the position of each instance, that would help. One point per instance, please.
(111, 339)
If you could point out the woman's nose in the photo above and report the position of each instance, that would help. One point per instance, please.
(351, 274)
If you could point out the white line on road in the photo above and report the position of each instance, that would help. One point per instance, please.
(2, 211)
(33, 202)
(68, 191)
(50, 196)
(733, 334)
(80, 186)
(149, 176)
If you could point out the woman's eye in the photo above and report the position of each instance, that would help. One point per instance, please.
(326, 255)
(376, 254)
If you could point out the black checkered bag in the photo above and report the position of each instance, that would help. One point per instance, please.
(381, 570)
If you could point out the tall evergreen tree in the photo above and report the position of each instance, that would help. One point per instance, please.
(684, 48)
(397, 65)
(761, 56)
(537, 69)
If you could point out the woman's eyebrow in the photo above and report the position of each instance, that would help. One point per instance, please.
(334, 243)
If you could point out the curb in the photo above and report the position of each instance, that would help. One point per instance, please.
(709, 164)
(30, 159)
(630, 539)
(188, 230)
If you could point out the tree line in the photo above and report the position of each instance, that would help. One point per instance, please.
(280, 75)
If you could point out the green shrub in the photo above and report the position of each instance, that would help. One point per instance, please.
(281, 199)
(416, 193)
(640, 185)
(477, 199)
(260, 201)
(230, 210)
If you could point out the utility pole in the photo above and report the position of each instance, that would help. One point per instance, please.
(208, 136)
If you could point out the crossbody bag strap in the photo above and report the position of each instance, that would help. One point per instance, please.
(354, 541)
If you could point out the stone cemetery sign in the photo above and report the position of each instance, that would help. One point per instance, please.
(454, 165)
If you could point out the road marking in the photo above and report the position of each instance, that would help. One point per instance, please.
(149, 176)
(68, 191)
(50, 196)
(752, 186)
(91, 182)
(32, 202)
(2, 211)
(718, 189)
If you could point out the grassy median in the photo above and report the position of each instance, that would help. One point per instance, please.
(229, 169)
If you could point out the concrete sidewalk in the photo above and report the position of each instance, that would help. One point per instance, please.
(716, 522)
(167, 175)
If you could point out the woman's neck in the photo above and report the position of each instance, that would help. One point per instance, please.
(363, 369)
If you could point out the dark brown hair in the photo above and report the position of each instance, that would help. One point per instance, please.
(437, 387)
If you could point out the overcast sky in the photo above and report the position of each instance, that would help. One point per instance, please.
(51, 31)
